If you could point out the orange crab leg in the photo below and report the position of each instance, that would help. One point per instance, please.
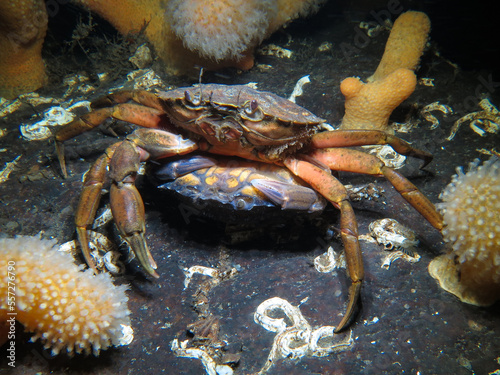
(349, 138)
(134, 113)
(343, 159)
(332, 189)
(89, 201)
(145, 98)
(126, 202)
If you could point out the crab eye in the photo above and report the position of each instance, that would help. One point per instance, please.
(251, 111)
(196, 100)
(251, 107)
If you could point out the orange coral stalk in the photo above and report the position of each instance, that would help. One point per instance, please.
(288, 10)
(405, 44)
(369, 105)
(130, 17)
(66, 308)
(23, 25)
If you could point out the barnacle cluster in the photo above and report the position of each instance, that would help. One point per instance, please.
(69, 310)
(470, 207)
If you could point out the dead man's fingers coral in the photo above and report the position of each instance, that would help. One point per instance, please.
(369, 105)
(185, 35)
(220, 30)
(405, 45)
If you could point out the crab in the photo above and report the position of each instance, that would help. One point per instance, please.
(243, 185)
(247, 199)
(240, 122)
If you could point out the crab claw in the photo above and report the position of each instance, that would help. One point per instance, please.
(141, 250)
(128, 210)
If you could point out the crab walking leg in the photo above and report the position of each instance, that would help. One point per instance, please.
(288, 196)
(145, 98)
(347, 160)
(137, 114)
(349, 138)
(89, 201)
(332, 189)
(123, 160)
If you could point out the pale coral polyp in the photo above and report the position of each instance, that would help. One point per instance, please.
(68, 309)
(470, 207)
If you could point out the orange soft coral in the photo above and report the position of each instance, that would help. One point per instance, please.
(65, 307)
(288, 10)
(148, 16)
(212, 34)
(23, 25)
(369, 105)
(217, 29)
(226, 31)
(405, 44)
(184, 34)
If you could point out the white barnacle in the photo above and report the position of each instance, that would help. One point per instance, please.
(387, 154)
(392, 235)
(54, 116)
(274, 50)
(295, 337)
(329, 261)
(426, 112)
(297, 90)
(207, 271)
(481, 122)
(396, 237)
